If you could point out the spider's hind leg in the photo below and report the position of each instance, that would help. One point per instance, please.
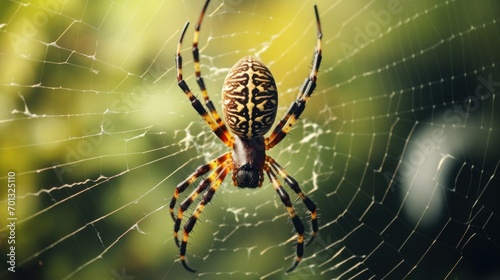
(307, 89)
(217, 126)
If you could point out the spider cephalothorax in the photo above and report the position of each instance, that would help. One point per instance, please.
(249, 100)
(248, 162)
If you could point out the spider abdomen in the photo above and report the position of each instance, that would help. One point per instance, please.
(249, 98)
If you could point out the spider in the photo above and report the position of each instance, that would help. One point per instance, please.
(250, 99)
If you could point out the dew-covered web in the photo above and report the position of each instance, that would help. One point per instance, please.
(398, 146)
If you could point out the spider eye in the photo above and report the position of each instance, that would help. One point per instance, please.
(247, 177)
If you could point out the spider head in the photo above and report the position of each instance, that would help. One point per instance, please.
(247, 176)
(249, 157)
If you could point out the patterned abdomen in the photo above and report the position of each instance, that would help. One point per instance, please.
(249, 98)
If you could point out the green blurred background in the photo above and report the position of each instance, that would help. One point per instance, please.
(99, 135)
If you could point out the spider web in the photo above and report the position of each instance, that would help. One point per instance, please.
(398, 146)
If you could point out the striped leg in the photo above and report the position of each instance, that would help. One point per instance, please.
(297, 223)
(217, 126)
(200, 171)
(197, 71)
(298, 106)
(214, 182)
(292, 183)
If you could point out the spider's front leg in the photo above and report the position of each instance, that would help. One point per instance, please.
(271, 167)
(214, 181)
(200, 171)
(292, 183)
(297, 223)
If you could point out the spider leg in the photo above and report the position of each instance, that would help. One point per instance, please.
(297, 223)
(214, 182)
(199, 78)
(292, 183)
(218, 127)
(298, 106)
(200, 171)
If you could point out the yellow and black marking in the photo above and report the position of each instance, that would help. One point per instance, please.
(292, 183)
(297, 223)
(214, 181)
(249, 98)
(217, 126)
(200, 171)
(199, 78)
(297, 107)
